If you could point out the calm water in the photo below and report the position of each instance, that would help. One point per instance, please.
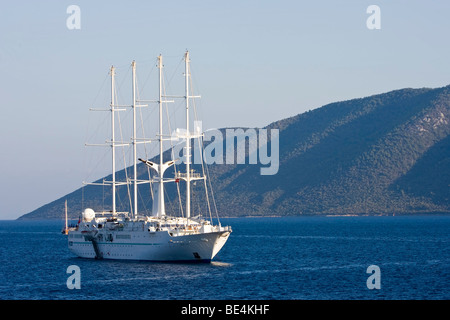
(264, 258)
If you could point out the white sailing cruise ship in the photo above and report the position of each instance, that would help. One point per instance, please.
(159, 237)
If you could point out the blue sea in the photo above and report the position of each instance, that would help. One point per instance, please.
(301, 258)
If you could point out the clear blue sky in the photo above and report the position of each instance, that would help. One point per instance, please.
(255, 62)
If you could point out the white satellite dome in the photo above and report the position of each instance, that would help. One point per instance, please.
(88, 214)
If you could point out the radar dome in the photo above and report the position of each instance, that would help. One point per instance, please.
(88, 215)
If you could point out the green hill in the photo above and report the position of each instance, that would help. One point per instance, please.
(383, 154)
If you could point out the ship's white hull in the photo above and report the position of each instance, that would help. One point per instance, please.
(149, 246)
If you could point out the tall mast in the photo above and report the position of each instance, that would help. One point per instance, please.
(135, 210)
(66, 229)
(188, 139)
(161, 210)
(113, 149)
